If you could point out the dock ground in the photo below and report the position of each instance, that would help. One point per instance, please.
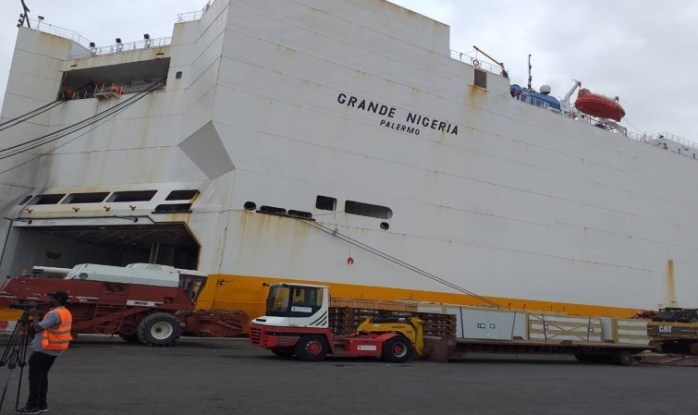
(105, 376)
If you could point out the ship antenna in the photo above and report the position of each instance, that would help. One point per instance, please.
(530, 78)
(24, 17)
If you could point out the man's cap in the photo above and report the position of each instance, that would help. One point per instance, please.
(60, 296)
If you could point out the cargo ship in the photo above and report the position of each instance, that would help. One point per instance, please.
(336, 142)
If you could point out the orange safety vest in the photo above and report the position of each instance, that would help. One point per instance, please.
(59, 337)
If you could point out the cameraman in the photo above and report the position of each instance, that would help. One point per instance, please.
(51, 339)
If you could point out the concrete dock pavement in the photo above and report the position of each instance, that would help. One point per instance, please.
(104, 376)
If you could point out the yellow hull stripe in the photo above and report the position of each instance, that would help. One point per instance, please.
(249, 295)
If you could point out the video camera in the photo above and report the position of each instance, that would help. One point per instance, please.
(26, 306)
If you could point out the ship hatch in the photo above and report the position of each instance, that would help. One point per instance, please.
(65, 246)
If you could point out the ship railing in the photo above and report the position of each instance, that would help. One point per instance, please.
(59, 31)
(195, 15)
(680, 145)
(90, 50)
(124, 47)
(676, 139)
(478, 63)
(533, 101)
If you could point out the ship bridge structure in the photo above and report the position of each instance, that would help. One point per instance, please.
(335, 142)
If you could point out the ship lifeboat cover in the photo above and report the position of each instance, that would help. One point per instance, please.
(598, 105)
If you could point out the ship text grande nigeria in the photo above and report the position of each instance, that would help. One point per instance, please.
(411, 122)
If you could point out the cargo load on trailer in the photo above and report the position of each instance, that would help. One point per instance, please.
(147, 303)
(301, 321)
(675, 330)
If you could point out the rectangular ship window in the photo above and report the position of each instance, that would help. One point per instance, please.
(132, 196)
(182, 195)
(47, 199)
(173, 208)
(26, 198)
(480, 78)
(326, 203)
(85, 197)
(365, 209)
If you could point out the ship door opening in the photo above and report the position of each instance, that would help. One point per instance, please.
(66, 246)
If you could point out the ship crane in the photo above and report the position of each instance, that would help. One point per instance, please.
(565, 102)
(501, 64)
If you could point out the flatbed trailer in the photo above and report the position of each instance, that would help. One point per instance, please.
(621, 354)
(300, 321)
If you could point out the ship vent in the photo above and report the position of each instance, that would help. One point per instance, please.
(173, 208)
(300, 214)
(272, 210)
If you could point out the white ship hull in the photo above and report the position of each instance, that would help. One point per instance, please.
(494, 196)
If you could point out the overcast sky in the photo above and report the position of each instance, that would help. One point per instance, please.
(644, 51)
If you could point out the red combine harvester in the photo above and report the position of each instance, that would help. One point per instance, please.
(146, 303)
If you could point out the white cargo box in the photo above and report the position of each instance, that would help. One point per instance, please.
(628, 331)
(482, 323)
(559, 327)
(474, 323)
(157, 275)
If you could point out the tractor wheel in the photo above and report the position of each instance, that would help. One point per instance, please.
(311, 348)
(130, 338)
(398, 349)
(159, 329)
(622, 358)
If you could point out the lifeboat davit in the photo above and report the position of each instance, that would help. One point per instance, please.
(598, 105)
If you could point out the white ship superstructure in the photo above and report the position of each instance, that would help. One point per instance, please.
(340, 142)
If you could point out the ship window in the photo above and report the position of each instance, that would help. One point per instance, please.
(182, 195)
(326, 203)
(480, 78)
(85, 197)
(173, 208)
(26, 198)
(48, 199)
(385, 226)
(178, 75)
(365, 209)
(300, 214)
(273, 210)
(250, 206)
(132, 196)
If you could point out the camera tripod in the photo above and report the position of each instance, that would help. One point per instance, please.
(15, 353)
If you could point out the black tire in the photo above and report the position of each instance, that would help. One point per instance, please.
(399, 349)
(130, 338)
(159, 329)
(311, 348)
(282, 352)
(623, 358)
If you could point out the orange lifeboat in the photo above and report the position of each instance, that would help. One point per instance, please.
(598, 105)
